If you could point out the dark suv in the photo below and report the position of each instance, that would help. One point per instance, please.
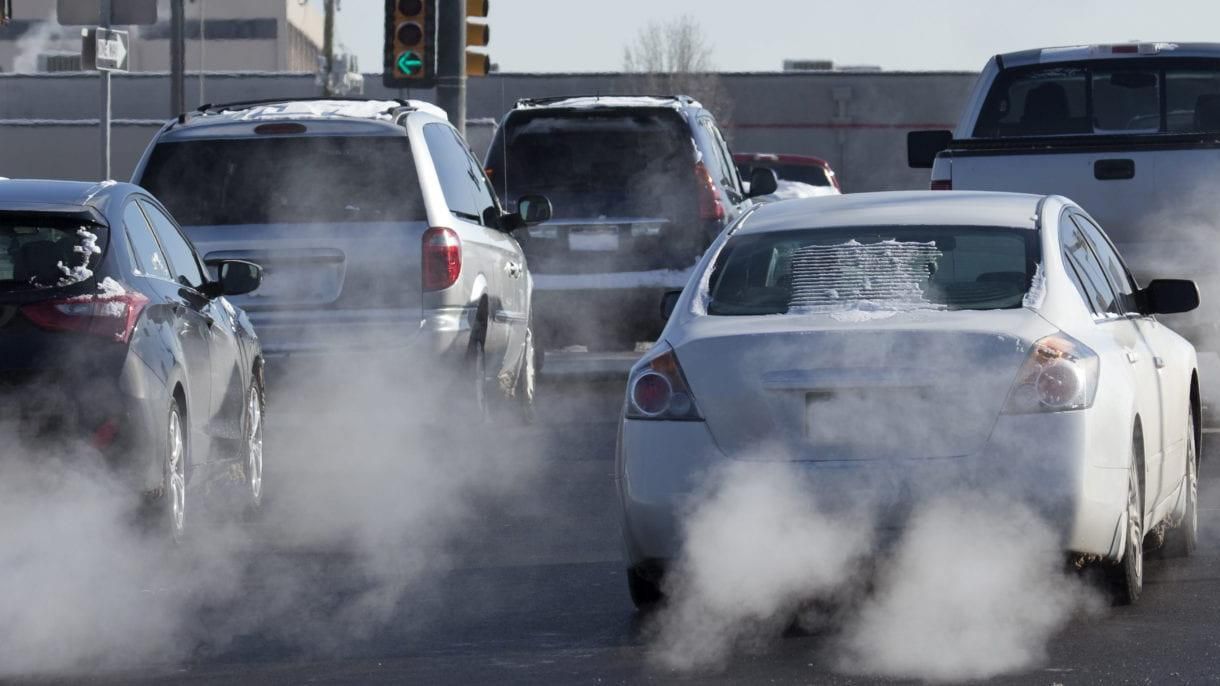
(640, 186)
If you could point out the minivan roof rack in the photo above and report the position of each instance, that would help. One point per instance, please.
(246, 104)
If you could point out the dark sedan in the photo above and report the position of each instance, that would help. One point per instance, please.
(114, 339)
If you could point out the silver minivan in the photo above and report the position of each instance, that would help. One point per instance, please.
(378, 232)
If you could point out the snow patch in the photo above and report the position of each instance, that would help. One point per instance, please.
(1037, 290)
(592, 101)
(885, 277)
(88, 247)
(789, 190)
(323, 109)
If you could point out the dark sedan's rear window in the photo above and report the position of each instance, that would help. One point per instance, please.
(38, 253)
(294, 180)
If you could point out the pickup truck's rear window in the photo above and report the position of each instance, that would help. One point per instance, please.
(1103, 97)
(295, 180)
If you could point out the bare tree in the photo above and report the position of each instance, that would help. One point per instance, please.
(675, 57)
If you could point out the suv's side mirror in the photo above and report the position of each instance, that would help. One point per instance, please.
(1169, 296)
(763, 181)
(531, 209)
(924, 146)
(238, 277)
(669, 301)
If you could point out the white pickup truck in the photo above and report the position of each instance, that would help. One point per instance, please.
(1131, 132)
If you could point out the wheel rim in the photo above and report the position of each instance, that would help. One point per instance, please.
(1135, 531)
(530, 371)
(177, 472)
(1192, 480)
(254, 443)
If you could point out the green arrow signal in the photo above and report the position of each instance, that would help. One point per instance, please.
(410, 63)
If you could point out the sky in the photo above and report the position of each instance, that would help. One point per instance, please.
(589, 35)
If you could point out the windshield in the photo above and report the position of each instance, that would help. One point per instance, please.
(38, 253)
(630, 163)
(300, 180)
(812, 175)
(874, 268)
(1104, 97)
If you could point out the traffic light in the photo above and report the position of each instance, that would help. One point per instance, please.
(478, 35)
(410, 44)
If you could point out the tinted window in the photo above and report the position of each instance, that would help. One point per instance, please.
(874, 268)
(1120, 279)
(1098, 292)
(1192, 99)
(1044, 101)
(299, 180)
(39, 253)
(181, 254)
(460, 186)
(592, 163)
(149, 257)
(1126, 100)
(724, 158)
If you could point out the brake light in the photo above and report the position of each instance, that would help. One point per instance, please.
(105, 434)
(110, 316)
(710, 206)
(1125, 49)
(657, 389)
(1060, 374)
(442, 258)
(942, 184)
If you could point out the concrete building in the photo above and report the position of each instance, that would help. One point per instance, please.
(221, 36)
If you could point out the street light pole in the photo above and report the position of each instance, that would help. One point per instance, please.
(328, 50)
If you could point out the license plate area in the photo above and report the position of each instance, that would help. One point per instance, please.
(593, 238)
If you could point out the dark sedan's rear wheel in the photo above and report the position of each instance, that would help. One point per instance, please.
(1126, 578)
(252, 445)
(174, 496)
(1184, 537)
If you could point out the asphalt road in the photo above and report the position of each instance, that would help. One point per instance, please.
(531, 590)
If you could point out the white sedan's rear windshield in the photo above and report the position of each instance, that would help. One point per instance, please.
(874, 268)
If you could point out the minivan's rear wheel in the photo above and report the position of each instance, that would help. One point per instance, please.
(1127, 577)
(175, 473)
(644, 589)
(527, 380)
(1183, 538)
(252, 445)
(478, 371)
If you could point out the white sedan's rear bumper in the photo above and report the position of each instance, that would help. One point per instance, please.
(1044, 460)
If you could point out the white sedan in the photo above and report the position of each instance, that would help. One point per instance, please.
(886, 344)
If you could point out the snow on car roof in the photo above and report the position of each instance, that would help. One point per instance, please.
(381, 110)
(910, 208)
(595, 101)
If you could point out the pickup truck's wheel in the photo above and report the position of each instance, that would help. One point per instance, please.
(1183, 538)
(1126, 578)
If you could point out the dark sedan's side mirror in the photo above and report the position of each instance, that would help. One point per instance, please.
(763, 181)
(531, 210)
(669, 301)
(239, 277)
(1169, 296)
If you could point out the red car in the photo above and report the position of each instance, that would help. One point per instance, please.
(800, 176)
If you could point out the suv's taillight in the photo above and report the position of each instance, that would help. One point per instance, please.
(710, 206)
(442, 258)
(1060, 374)
(657, 389)
(111, 316)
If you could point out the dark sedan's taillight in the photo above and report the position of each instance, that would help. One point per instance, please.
(442, 258)
(110, 316)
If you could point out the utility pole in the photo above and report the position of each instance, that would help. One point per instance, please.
(104, 124)
(328, 50)
(177, 57)
(451, 62)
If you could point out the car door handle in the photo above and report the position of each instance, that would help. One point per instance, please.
(1114, 170)
(1132, 357)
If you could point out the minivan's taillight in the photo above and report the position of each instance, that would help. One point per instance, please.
(110, 316)
(942, 184)
(1060, 374)
(657, 389)
(710, 206)
(442, 258)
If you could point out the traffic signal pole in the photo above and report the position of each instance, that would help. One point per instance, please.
(177, 58)
(104, 122)
(451, 61)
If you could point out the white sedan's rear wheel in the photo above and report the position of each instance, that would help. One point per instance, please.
(1183, 538)
(1127, 577)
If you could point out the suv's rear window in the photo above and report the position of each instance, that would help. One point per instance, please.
(874, 268)
(299, 180)
(629, 162)
(37, 253)
(1104, 97)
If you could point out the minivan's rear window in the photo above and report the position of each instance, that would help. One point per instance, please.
(1103, 97)
(874, 269)
(296, 180)
(39, 253)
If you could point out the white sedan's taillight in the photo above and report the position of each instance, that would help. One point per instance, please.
(1060, 374)
(657, 389)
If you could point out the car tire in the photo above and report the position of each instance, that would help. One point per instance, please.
(171, 511)
(253, 417)
(645, 592)
(1126, 577)
(1181, 540)
(527, 381)
(476, 362)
